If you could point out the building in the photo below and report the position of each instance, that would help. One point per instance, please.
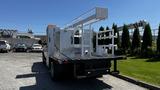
(24, 35)
(43, 38)
(8, 33)
(14, 37)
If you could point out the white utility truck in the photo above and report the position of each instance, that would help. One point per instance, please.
(70, 52)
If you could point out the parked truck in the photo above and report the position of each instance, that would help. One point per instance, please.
(70, 51)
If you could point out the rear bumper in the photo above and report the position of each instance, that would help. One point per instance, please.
(91, 69)
(96, 72)
(36, 50)
(20, 49)
(93, 73)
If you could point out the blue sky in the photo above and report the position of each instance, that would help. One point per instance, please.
(37, 14)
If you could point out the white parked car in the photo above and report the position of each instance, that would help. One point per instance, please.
(36, 48)
(4, 46)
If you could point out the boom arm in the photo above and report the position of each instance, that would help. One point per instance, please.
(92, 16)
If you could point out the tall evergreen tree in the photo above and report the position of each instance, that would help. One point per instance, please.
(125, 39)
(147, 38)
(158, 40)
(136, 40)
(40, 42)
(101, 28)
(100, 42)
(117, 40)
(107, 28)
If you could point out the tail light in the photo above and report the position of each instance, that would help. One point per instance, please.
(65, 61)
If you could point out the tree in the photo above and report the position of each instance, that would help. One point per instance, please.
(40, 42)
(107, 28)
(100, 42)
(125, 39)
(147, 38)
(1, 34)
(101, 28)
(107, 40)
(117, 40)
(158, 40)
(135, 41)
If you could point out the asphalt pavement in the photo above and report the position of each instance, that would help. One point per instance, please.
(25, 71)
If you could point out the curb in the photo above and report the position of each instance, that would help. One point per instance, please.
(139, 83)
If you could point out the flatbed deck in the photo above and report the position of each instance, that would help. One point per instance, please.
(95, 58)
(99, 57)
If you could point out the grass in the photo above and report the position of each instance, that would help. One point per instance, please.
(147, 70)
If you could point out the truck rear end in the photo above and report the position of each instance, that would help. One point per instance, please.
(77, 50)
(65, 56)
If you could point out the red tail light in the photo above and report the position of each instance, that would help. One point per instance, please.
(65, 61)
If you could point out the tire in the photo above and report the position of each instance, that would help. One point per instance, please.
(6, 51)
(54, 72)
(43, 59)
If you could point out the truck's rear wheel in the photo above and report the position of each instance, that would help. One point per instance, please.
(53, 71)
(43, 59)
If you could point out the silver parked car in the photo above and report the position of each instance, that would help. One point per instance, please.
(4, 46)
